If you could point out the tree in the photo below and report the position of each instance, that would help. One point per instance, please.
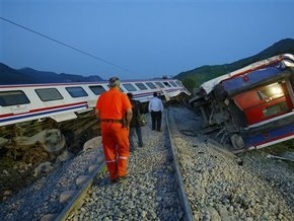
(189, 83)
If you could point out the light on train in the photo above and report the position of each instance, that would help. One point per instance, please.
(277, 90)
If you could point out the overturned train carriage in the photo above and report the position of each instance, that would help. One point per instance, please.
(252, 107)
(54, 117)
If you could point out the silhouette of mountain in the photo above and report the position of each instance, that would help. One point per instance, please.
(30, 76)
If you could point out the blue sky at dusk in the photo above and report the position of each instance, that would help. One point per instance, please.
(138, 39)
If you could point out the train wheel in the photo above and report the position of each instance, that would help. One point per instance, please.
(237, 141)
(54, 141)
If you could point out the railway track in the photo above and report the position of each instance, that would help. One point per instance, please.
(212, 184)
(154, 189)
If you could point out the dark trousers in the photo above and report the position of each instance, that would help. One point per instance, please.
(138, 131)
(156, 120)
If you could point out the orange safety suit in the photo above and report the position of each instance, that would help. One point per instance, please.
(112, 106)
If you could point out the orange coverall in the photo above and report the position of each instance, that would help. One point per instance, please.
(115, 138)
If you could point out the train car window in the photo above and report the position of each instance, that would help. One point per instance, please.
(8, 98)
(173, 83)
(159, 84)
(151, 85)
(48, 94)
(129, 87)
(275, 109)
(76, 91)
(97, 89)
(272, 91)
(141, 86)
(166, 84)
(179, 83)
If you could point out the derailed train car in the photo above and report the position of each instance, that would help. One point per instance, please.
(55, 116)
(252, 107)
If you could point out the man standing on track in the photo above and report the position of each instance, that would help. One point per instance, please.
(135, 126)
(156, 107)
(111, 109)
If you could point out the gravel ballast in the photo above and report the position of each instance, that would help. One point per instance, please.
(218, 187)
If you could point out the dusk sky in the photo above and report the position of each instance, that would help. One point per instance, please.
(138, 39)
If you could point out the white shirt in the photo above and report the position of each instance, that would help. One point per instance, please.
(155, 105)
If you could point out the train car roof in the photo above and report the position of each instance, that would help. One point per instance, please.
(287, 59)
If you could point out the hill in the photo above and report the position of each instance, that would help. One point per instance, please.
(197, 76)
(30, 76)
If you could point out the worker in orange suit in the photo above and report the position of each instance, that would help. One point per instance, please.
(114, 111)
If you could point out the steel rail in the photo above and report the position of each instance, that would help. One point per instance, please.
(181, 191)
(76, 200)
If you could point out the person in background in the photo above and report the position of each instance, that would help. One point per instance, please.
(111, 108)
(134, 125)
(155, 107)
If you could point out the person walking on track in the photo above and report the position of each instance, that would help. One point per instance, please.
(135, 126)
(114, 110)
(155, 107)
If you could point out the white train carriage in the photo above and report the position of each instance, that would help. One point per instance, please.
(61, 102)
(40, 113)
